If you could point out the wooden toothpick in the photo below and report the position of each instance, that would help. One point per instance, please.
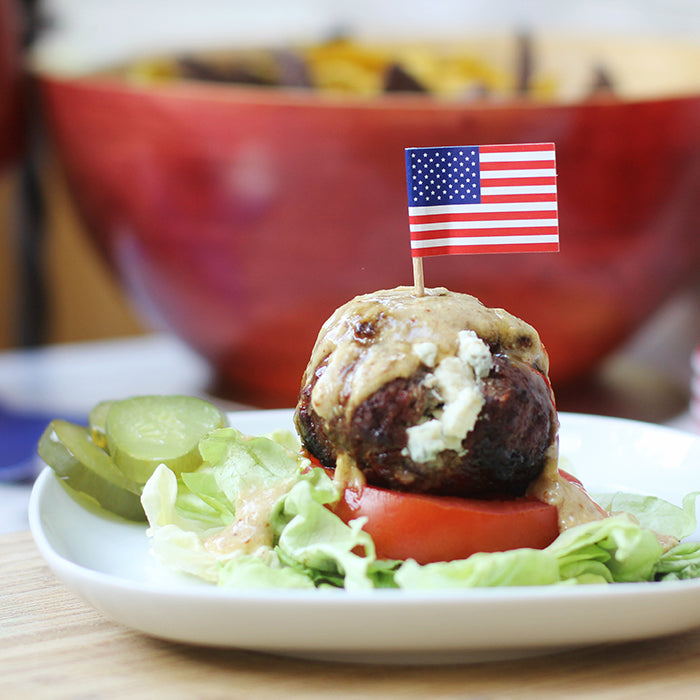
(418, 282)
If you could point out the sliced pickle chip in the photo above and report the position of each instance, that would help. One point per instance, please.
(88, 469)
(145, 431)
(97, 420)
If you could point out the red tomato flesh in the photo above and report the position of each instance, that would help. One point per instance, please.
(441, 528)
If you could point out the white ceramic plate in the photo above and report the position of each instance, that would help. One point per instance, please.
(107, 563)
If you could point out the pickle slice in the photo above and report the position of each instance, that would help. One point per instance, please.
(97, 421)
(145, 431)
(87, 469)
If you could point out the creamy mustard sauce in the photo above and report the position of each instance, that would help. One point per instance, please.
(347, 475)
(251, 530)
(370, 341)
(574, 506)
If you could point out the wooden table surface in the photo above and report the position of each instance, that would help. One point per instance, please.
(52, 645)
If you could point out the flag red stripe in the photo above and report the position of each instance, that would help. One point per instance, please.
(507, 181)
(482, 232)
(484, 216)
(516, 165)
(506, 198)
(516, 147)
(472, 249)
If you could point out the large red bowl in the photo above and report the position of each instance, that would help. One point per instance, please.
(240, 218)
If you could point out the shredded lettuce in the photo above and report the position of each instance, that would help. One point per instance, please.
(654, 513)
(517, 567)
(255, 515)
(680, 562)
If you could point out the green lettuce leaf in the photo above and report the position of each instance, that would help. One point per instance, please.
(654, 513)
(681, 562)
(615, 549)
(255, 515)
(518, 567)
(249, 571)
(177, 540)
(191, 523)
(314, 539)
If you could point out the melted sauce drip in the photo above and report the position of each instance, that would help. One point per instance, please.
(369, 341)
(347, 474)
(574, 506)
(251, 530)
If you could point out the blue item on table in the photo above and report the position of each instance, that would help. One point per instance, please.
(19, 435)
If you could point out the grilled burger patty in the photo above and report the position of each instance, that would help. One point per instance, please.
(434, 394)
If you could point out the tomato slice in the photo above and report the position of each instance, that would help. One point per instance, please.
(442, 528)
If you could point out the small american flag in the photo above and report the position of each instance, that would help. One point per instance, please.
(482, 199)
